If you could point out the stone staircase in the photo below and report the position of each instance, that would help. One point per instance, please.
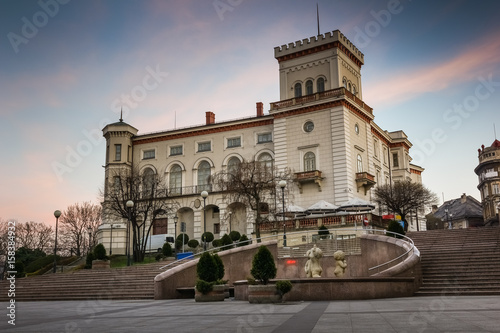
(134, 282)
(459, 261)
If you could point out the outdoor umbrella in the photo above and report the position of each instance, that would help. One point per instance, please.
(356, 205)
(322, 207)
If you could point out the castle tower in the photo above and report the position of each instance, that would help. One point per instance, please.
(322, 127)
(489, 181)
(112, 233)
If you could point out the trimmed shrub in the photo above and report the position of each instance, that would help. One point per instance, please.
(203, 286)
(220, 267)
(206, 268)
(100, 252)
(323, 232)
(283, 286)
(395, 226)
(207, 237)
(166, 250)
(226, 240)
(88, 261)
(235, 235)
(193, 243)
(217, 243)
(178, 241)
(186, 238)
(160, 256)
(243, 240)
(263, 266)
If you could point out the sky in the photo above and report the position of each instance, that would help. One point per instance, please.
(432, 69)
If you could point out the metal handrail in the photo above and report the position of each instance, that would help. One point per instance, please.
(279, 237)
(407, 239)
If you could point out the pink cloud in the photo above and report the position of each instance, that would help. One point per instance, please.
(477, 60)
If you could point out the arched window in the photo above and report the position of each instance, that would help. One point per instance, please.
(309, 87)
(203, 176)
(360, 164)
(175, 179)
(320, 84)
(148, 182)
(266, 160)
(309, 161)
(298, 89)
(344, 82)
(354, 91)
(233, 164)
(349, 87)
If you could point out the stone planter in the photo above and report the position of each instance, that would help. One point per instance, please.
(263, 293)
(226, 291)
(216, 295)
(100, 264)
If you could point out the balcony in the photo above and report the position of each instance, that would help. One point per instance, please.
(308, 177)
(365, 180)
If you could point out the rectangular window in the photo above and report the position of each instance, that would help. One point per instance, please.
(175, 150)
(395, 160)
(118, 152)
(495, 189)
(375, 148)
(129, 154)
(234, 142)
(216, 228)
(148, 154)
(385, 155)
(204, 146)
(264, 137)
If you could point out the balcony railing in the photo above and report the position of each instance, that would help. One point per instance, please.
(307, 177)
(333, 93)
(366, 180)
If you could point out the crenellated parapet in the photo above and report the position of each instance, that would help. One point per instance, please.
(334, 39)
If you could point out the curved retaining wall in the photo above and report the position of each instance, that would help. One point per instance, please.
(399, 280)
(237, 265)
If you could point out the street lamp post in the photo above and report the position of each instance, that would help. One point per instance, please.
(282, 184)
(111, 240)
(89, 229)
(175, 232)
(129, 205)
(204, 195)
(57, 213)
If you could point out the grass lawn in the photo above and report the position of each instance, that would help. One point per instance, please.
(121, 261)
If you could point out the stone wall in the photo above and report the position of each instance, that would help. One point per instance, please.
(237, 265)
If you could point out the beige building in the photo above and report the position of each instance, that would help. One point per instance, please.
(320, 128)
(489, 181)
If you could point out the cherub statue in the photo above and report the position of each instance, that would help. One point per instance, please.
(341, 263)
(313, 267)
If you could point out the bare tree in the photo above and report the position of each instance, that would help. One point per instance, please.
(75, 222)
(254, 184)
(150, 197)
(403, 197)
(34, 236)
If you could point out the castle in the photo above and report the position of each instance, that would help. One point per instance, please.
(320, 128)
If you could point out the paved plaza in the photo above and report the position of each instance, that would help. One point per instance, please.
(417, 314)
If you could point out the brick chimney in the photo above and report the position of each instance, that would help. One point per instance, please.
(260, 109)
(210, 117)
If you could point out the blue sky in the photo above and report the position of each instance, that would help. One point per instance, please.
(432, 69)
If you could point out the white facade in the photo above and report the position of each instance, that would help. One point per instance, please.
(321, 129)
